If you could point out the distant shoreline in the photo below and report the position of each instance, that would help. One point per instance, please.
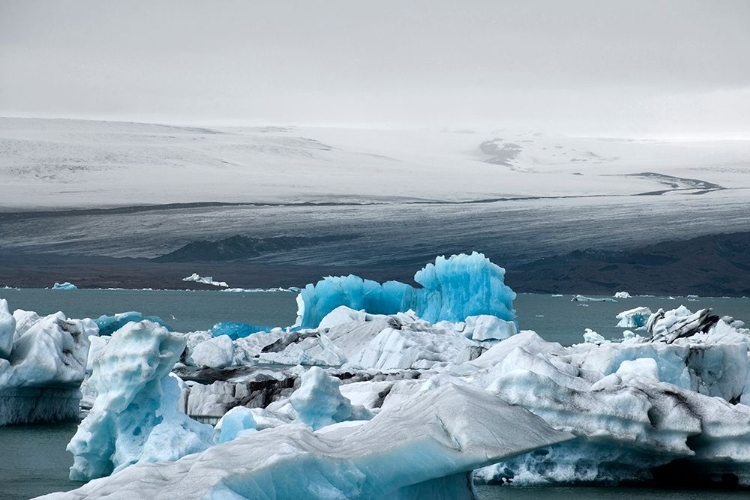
(714, 265)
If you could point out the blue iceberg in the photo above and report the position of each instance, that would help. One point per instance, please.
(452, 289)
(64, 286)
(236, 330)
(110, 324)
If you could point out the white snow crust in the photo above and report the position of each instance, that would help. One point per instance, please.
(105, 161)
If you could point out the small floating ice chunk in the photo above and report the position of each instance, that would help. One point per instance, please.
(208, 280)
(583, 298)
(64, 286)
(634, 318)
(622, 295)
(592, 337)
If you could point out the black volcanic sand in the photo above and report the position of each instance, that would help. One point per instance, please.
(43, 270)
(714, 265)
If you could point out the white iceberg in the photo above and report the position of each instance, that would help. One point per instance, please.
(42, 365)
(208, 280)
(634, 318)
(583, 298)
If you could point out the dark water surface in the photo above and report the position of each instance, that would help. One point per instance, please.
(184, 310)
(33, 460)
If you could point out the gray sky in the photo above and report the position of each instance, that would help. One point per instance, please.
(640, 68)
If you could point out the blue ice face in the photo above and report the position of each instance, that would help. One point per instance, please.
(236, 330)
(110, 324)
(452, 289)
(64, 286)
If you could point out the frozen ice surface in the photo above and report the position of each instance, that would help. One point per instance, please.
(235, 330)
(622, 295)
(52, 352)
(318, 402)
(135, 416)
(7, 329)
(452, 289)
(438, 391)
(361, 341)
(592, 337)
(680, 322)
(217, 352)
(634, 318)
(422, 449)
(236, 422)
(488, 327)
(637, 404)
(42, 364)
(64, 286)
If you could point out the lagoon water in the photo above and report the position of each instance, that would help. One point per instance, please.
(33, 459)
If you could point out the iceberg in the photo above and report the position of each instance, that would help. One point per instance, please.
(622, 295)
(680, 322)
(217, 352)
(236, 422)
(638, 405)
(361, 341)
(394, 391)
(634, 318)
(7, 329)
(235, 330)
(425, 448)
(110, 324)
(64, 286)
(452, 289)
(42, 365)
(583, 298)
(135, 416)
(319, 403)
(207, 280)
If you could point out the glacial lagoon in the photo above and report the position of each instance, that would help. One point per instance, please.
(34, 457)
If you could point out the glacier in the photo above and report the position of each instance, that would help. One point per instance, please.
(452, 289)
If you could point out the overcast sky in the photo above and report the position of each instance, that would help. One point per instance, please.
(635, 68)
